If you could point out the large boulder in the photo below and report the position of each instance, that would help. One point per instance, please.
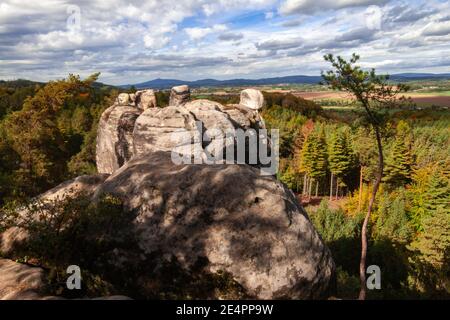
(226, 218)
(205, 222)
(115, 137)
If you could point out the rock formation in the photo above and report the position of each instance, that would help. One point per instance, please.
(114, 138)
(179, 95)
(134, 125)
(145, 99)
(228, 216)
(252, 99)
(220, 219)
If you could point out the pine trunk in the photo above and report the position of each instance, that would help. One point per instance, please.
(331, 187)
(305, 178)
(362, 263)
(309, 188)
(317, 188)
(337, 188)
(360, 188)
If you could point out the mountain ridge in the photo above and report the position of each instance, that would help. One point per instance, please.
(295, 79)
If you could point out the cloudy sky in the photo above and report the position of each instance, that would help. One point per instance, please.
(135, 41)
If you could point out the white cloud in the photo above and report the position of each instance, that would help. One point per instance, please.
(188, 39)
(437, 29)
(199, 33)
(155, 43)
(311, 6)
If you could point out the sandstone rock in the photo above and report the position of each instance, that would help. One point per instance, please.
(252, 99)
(239, 118)
(244, 117)
(229, 218)
(68, 189)
(179, 95)
(123, 99)
(23, 282)
(114, 137)
(203, 105)
(164, 129)
(19, 281)
(218, 130)
(146, 99)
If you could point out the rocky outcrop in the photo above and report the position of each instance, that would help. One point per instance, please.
(229, 217)
(114, 137)
(204, 221)
(134, 126)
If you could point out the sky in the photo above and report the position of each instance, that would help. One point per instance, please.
(135, 41)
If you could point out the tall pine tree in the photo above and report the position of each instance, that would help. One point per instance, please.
(340, 157)
(314, 157)
(399, 164)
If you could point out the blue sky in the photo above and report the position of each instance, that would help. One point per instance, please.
(135, 41)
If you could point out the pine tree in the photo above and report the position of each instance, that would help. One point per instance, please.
(314, 157)
(432, 252)
(438, 193)
(399, 164)
(340, 156)
(319, 157)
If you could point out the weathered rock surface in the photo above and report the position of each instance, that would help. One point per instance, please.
(252, 99)
(19, 281)
(124, 132)
(145, 99)
(164, 129)
(217, 127)
(124, 99)
(23, 282)
(179, 95)
(114, 137)
(229, 217)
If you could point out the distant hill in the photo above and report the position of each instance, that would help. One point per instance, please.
(168, 83)
(19, 83)
(22, 83)
(300, 79)
(420, 76)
